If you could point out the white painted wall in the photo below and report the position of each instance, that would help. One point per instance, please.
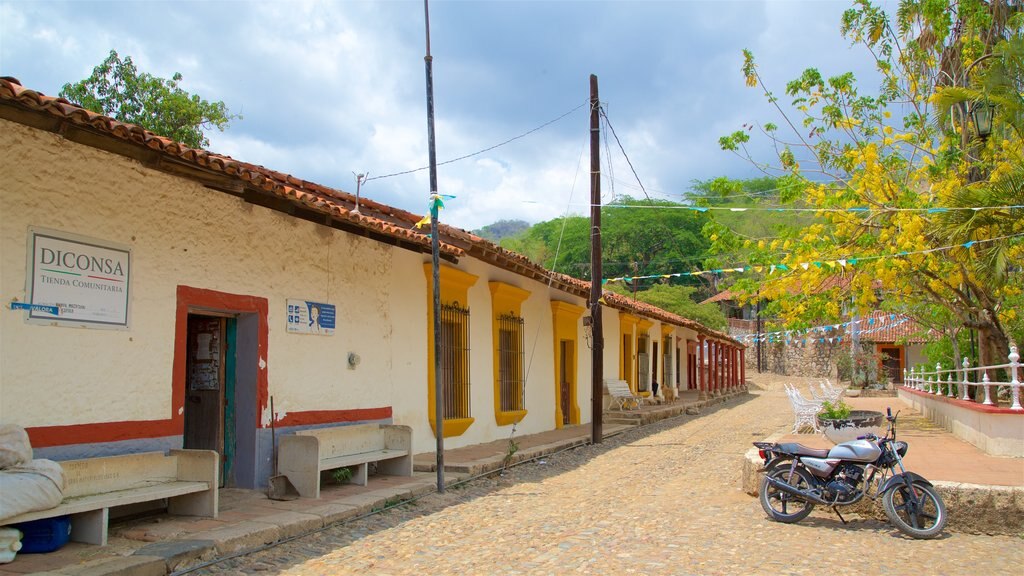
(997, 434)
(915, 356)
(411, 356)
(179, 233)
(612, 342)
(182, 233)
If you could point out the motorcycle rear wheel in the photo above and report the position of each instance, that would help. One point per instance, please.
(922, 519)
(779, 505)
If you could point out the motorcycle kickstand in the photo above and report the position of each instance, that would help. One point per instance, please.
(836, 510)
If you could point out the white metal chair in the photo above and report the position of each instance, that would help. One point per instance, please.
(804, 411)
(826, 391)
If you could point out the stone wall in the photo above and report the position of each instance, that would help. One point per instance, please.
(813, 359)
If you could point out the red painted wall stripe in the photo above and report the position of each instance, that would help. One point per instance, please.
(46, 436)
(313, 417)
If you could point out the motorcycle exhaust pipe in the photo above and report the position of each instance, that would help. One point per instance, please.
(779, 484)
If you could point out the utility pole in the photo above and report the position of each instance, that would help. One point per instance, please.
(597, 353)
(435, 250)
(757, 331)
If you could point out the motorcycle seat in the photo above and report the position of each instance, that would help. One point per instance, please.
(801, 450)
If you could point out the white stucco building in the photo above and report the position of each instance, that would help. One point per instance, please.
(158, 297)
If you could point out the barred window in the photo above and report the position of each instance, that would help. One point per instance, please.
(510, 362)
(455, 360)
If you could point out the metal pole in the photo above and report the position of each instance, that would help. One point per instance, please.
(597, 354)
(435, 249)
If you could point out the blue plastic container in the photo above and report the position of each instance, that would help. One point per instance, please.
(44, 535)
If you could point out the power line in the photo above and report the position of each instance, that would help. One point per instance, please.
(488, 149)
(623, 150)
(840, 262)
(854, 210)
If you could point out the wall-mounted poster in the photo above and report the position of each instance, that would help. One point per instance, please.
(86, 280)
(305, 317)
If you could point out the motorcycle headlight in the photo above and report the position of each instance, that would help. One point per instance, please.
(901, 448)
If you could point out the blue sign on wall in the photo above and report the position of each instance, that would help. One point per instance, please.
(307, 317)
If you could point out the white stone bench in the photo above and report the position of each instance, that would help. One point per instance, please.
(186, 478)
(303, 455)
(621, 395)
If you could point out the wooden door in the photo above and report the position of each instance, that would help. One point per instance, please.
(691, 364)
(892, 363)
(566, 364)
(654, 369)
(204, 393)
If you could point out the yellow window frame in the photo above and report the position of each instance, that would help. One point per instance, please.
(505, 300)
(455, 285)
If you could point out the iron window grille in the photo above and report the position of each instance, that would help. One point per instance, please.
(511, 380)
(455, 384)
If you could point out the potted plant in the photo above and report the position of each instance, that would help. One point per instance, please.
(840, 423)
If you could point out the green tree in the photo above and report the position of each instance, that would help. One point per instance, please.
(639, 237)
(888, 171)
(678, 300)
(117, 89)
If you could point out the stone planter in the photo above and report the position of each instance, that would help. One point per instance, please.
(859, 423)
(852, 392)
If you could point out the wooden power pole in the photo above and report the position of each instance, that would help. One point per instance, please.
(435, 250)
(597, 332)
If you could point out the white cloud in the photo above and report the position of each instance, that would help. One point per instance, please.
(330, 88)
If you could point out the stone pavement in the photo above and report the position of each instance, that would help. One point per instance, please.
(661, 499)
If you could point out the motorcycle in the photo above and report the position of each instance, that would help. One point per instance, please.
(797, 478)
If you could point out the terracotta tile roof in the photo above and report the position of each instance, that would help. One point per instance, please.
(891, 327)
(627, 304)
(722, 296)
(233, 176)
(335, 203)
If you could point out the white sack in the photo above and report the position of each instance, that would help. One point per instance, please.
(36, 485)
(14, 446)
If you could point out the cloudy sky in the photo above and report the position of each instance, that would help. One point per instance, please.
(328, 89)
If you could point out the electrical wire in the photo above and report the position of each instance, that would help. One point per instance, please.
(604, 114)
(842, 262)
(855, 210)
(478, 152)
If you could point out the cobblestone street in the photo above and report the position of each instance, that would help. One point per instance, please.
(663, 499)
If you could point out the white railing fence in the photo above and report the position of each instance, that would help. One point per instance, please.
(957, 382)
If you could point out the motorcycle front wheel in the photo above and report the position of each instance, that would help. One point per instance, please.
(921, 515)
(782, 506)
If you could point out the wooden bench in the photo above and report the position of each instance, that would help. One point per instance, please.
(621, 395)
(303, 455)
(186, 478)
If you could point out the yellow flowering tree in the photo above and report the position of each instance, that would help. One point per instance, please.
(895, 178)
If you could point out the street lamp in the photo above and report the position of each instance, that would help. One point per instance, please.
(981, 113)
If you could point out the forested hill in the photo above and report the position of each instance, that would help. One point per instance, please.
(502, 229)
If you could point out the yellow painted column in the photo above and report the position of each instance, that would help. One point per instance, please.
(564, 319)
